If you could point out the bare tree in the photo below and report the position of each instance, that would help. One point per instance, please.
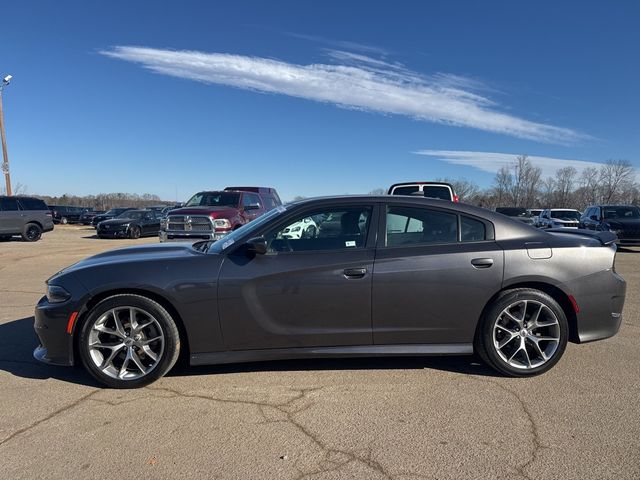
(548, 192)
(565, 178)
(503, 184)
(615, 176)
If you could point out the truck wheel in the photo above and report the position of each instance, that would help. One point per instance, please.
(31, 232)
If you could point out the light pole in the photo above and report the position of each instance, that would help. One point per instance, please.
(5, 156)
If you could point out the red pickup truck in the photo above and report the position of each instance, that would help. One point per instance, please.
(213, 214)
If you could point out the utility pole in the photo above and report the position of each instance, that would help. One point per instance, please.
(5, 155)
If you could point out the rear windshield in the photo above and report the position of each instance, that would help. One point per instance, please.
(620, 212)
(214, 199)
(408, 190)
(432, 191)
(32, 204)
(512, 212)
(565, 214)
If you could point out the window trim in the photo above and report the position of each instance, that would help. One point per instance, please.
(382, 227)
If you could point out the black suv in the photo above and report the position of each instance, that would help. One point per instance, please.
(65, 214)
(24, 216)
(623, 220)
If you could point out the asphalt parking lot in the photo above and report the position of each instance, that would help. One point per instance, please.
(390, 418)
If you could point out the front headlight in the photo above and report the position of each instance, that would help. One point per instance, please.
(57, 294)
(222, 223)
(295, 229)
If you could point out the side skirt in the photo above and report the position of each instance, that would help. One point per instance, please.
(241, 356)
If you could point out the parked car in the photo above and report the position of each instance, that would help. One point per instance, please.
(212, 215)
(25, 216)
(559, 218)
(520, 214)
(165, 211)
(623, 220)
(130, 224)
(534, 213)
(400, 276)
(66, 214)
(441, 190)
(113, 213)
(87, 217)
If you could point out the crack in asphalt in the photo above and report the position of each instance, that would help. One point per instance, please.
(332, 459)
(49, 417)
(537, 445)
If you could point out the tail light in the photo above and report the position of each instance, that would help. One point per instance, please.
(456, 199)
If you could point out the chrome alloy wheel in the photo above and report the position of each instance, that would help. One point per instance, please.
(126, 343)
(526, 334)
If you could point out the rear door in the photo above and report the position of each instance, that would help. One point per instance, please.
(312, 288)
(11, 217)
(435, 270)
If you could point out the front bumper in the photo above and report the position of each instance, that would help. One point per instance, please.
(111, 233)
(183, 236)
(56, 345)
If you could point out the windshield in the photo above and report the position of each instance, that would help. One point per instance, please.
(132, 214)
(115, 211)
(512, 212)
(620, 212)
(565, 214)
(246, 229)
(535, 213)
(214, 199)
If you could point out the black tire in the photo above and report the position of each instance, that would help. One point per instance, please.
(31, 232)
(487, 349)
(166, 360)
(134, 232)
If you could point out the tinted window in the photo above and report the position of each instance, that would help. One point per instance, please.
(620, 212)
(512, 212)
(472, 230)
(214, 199)
(251, 199)
(411, 225)
(408, 190)
(8, 204)
(565, 214)
(32, 204)
(433, 191)
(269, 202)
(323, 229)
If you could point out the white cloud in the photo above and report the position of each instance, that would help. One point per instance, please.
(360, 82)
(491, 162)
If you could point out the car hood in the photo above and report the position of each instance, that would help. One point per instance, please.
(624, 222)
(117, 221)
(218, 211)
(141, 253)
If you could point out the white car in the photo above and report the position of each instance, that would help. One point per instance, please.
(305, 228)
(559, 218)
(534, 213)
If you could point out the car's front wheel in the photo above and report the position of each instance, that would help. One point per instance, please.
(134, 232)
(128, 341)
(523, 333)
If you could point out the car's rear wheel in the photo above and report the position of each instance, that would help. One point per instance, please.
(31, 232)
(134, 232)
(128, 341)
(523, 333)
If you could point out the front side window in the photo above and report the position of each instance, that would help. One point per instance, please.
(415, 226)
(8, 204)
(331, 228)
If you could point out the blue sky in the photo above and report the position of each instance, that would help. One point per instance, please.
(312, 98)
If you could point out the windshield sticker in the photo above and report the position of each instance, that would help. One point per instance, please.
(350, 243)
(228, 243)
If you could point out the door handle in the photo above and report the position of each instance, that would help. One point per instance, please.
(355, 272)
(482, 262)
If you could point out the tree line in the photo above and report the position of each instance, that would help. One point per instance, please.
(105, 201)
(521, 184)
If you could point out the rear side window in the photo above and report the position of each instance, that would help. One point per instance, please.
(269, 202)
(32, 204)
(251, 200)
(472, 230)
(408, 190)
(8, 204)
(415, 226)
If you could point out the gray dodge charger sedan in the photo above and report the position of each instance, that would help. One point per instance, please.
(337, 277)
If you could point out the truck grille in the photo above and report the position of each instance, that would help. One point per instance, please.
(189, 223)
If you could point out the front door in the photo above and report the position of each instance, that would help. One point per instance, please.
(312, 287)
(435, 271)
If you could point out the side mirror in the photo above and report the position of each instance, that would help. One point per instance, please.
(256, 246)
(252, 206)
(594, 217)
